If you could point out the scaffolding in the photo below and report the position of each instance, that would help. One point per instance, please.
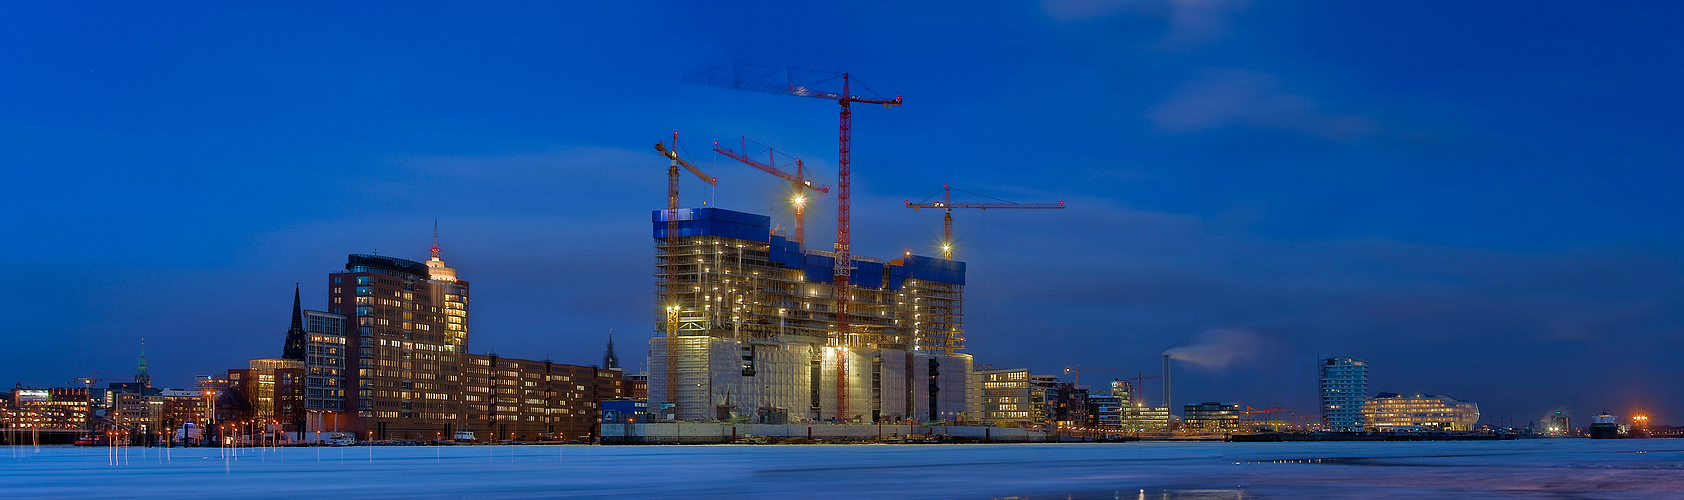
(731, 288)
(747, 318)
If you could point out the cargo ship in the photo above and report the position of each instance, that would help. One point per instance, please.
(1604, 427)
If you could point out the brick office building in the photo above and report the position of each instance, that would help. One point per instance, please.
(407, 372)
(410, 325)
(522, 399)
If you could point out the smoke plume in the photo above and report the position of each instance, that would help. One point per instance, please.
(1220, 347)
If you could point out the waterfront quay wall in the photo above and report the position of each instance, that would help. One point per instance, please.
(1369, 436)
(723, 433)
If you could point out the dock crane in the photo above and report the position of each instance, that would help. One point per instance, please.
(947, 205)
(672, 231)
(1076, 372)
(757, 78)
(798, 180)
(93, 378)
(1267, 412)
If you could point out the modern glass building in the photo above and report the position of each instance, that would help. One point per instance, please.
(1007, 397)
(1420, 412)
(324, 363)
(1105, 412)
(1344, 389)
(1211, 416)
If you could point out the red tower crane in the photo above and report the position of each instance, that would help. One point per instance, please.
(947, 205)
(672, 232)
(763, 79)
(798, 180)
(1140, 386)
(1267, 412)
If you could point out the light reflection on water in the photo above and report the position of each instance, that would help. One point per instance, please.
(1528, 469)
(1146, 494)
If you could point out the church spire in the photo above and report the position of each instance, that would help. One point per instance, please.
(294, 348)
(141, 375)
(610, 360)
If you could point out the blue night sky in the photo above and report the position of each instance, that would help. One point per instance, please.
(1479, 198)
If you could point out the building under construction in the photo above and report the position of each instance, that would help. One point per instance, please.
(747, 329)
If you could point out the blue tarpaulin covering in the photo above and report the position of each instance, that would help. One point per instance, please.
(785, 253)
(896, 275)
(714, 222)
(819, 268)
(919, 267)
(867, 274)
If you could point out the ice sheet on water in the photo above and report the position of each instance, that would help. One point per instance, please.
(1578, 468)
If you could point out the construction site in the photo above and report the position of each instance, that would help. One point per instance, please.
(750, 329)
(756, 327)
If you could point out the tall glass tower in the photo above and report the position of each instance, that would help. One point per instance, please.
(1344, 388)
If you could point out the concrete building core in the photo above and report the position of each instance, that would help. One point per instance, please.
(746, 322)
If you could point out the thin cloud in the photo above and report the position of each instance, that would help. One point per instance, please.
(1190, 21)
(1222, 98)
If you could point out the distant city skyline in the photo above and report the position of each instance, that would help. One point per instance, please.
(1476, 199)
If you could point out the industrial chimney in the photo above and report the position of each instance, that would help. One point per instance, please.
(1166, 386)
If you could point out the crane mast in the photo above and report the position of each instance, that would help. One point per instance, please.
(840, 340)
(672, 309)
